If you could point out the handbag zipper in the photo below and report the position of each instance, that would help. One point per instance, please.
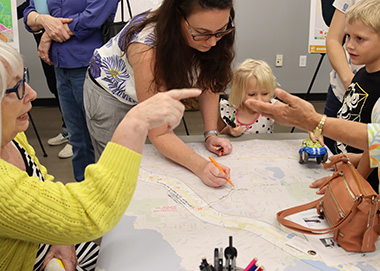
(356, 179)
(341, 213)
(324, 212)
(328, 218)
(347, 186)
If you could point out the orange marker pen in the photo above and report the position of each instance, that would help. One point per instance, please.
(216, 164)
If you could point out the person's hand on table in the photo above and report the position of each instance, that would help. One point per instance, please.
(215, 143)
(318, 183)
(213, 177)
(66, 253)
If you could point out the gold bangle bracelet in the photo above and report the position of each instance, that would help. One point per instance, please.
(318, 130)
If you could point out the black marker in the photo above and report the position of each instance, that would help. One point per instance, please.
(216, 259)
(230, 253)
(220, 259)
(229, 122)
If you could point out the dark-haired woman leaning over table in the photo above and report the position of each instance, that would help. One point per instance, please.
(181, 44)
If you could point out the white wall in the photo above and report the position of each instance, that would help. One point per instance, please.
(264, 29)
(270, 27)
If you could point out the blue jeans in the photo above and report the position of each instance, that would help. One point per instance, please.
(70, 92)
(331, 109)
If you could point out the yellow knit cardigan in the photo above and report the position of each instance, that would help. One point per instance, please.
(33, 212)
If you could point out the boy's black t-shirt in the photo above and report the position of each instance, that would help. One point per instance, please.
(358, 101)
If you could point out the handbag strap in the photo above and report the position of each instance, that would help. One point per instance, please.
(122, 10)
(129, 8)
(297, 227)
(337, 158)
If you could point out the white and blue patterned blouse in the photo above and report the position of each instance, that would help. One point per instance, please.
(110, 67)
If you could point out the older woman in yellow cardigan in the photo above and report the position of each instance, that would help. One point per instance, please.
(33, 208)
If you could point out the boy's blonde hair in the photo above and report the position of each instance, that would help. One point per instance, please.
(250, 67)
(366, 11)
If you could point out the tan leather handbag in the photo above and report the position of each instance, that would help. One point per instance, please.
(350, 206)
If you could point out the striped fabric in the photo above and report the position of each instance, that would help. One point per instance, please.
(87, 253)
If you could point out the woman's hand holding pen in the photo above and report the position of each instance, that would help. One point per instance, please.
(212, 176)
(219, 146)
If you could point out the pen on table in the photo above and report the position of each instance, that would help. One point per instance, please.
(261, 268)
(253, 268)
(230, 253)
(220, 259)
(216, 259)
(216, 164)
(251, 264)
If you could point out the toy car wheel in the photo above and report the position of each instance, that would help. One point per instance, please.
(325, 157)
(301, 161)
(319, 159)
(305, 156)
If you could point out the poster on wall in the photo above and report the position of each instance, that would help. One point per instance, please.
(8, 23)
(317, 28)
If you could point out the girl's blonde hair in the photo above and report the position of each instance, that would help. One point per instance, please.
(250, 67)
(10, 63)
(368, 12)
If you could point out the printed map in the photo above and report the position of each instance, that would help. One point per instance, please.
(177, 213)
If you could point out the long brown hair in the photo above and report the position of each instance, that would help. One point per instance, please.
(175, 60)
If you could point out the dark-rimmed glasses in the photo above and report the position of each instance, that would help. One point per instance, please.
(20, 90)
(203, 37)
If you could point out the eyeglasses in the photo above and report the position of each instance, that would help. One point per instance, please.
(203, 37)
(20, 90)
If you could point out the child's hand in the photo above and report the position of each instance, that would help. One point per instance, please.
(237, 131)
(320, 138)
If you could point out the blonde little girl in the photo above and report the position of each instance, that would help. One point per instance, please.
(252, 79)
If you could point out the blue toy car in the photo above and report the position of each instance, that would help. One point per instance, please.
(312, 150)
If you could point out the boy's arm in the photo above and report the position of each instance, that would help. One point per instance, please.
(335, 50)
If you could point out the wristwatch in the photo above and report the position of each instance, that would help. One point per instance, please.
(318, 130)
(208, 134)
